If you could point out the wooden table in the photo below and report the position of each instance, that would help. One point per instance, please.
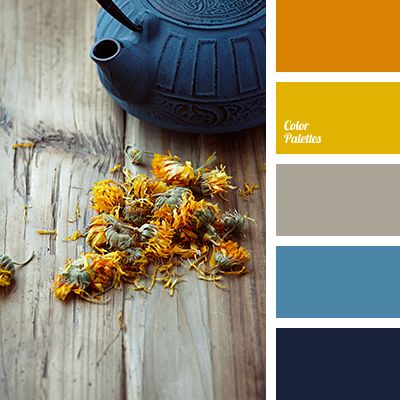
(202, 343)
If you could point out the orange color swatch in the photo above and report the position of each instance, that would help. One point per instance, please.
(338, 36)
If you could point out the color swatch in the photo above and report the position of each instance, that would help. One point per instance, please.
(338, 282)
(338, 118)
(338, 200)
(356, 35)
(337, 364)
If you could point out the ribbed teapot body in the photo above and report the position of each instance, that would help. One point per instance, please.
(206, 61)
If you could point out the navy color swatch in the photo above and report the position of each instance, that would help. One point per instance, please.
(338, 364)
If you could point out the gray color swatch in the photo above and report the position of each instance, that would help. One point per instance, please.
(338, 200)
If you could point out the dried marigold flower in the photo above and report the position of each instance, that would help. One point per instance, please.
(190, 219)
(179, 215)
(169, 169)
(76, 274)
(172, 198)
(233, 221)
(105, 231)
(7, 268)
(134, 154)
(106, 270)
(162, 244)
(215, 182)
(140, 186)
(137, 211)
(205, 213)
(133, 254)
(228, 255)
(155, 186)
(95, 233)
(119, 240)
(74, 278)
(107, 195)
(157, 222)
(147, 231)
(89, 276)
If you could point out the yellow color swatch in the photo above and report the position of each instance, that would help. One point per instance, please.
(338, 118)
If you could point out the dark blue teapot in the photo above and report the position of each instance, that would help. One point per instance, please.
(185, 65)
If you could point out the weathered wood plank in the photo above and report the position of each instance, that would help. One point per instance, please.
(49, 94)
(204, 343)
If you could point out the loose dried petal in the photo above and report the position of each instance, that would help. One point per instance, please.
(46, 232)
(115, 168)
(75, 236)
(23, 144)
(77, 213)
(247, 190)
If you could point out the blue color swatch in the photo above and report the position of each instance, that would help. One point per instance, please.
(338, 282)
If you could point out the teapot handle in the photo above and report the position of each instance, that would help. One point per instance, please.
(110, 7)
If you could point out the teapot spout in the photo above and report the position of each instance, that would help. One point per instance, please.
(124, 71)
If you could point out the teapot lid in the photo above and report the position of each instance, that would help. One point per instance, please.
(211, 13)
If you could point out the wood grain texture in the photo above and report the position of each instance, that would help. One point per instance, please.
(203, 343)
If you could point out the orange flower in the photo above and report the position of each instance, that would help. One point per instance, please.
(5, 277)
(233, 221)
(215, 182)
(137, 211)
(177, 212)
(141, 186)
(162, 244)
(155, 186)
(134, 263)
(205, 213)
(89, 276)
(107, 195)
(106, 270)
(169, 169)
(95, 233)
(7, 268)
(228, 256)
(172, 198)
(74, 278)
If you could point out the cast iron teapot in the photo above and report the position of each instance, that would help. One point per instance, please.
(186, 65)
